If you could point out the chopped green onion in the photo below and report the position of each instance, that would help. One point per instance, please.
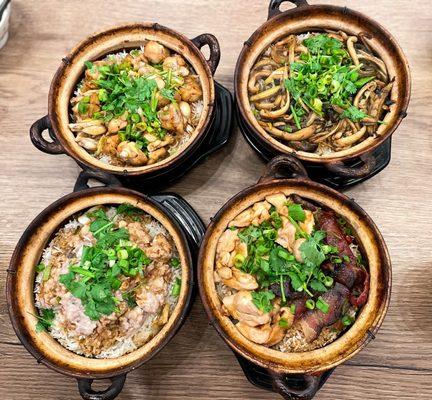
(46, 273)
(81, 271)
(283, 323)
(328, 281)
(175, 262)
(292, 309)
(322, 305)
(40, 267)
(296, 118)
(176, 287)
(122, 254)
(347, 320)
(238, 260)
(310, 304)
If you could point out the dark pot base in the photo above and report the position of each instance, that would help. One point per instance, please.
(261, 378)
(319, 173)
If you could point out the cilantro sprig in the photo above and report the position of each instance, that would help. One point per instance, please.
(45, 319)
(273, 264)
(123, 91)
(323, 77)
(97, 277)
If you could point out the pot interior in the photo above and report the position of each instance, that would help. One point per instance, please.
(111, 41)
(370, 316)
(20, 285)
(315, 19)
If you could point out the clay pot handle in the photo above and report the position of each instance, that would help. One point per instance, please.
(37, 139)
(185, 215)
(213, 44)
(274, 6)
(103, 177)
(286, 163)
(289, 390)
(339, 169)
(87, 393)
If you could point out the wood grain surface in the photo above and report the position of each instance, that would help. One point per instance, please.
(196, 364)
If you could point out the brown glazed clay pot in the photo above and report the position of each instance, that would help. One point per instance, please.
(313, 366)
(167, 209)
(96, 47)
(308, 18)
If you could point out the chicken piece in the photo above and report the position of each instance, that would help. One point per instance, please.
(191, 90)
(154, 156)
(171, 118)
(243, 219)
(177, 64)
(279, 200)
(296, 249)
(277, 333)
(151, 296)
(227, 241)
(160, 248)
(155, 52)
(259, 335)
(255, 215)
(138, 234)
(260, 212)
(108, 145)
(116, 124)
(309, 222)
(130, 153)
(241, 280)
(286, 234)
(224, 273)
(241, 307)
(240, 249)
(157, 144)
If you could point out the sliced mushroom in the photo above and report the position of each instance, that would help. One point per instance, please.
(256, 75)
(266, 93)
(276, 114)
(301, 134)
(350, 140)
(351, 49)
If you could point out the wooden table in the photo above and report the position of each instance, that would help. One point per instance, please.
(196, 364)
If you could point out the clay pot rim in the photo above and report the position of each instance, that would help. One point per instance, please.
(80, 366)
(121, 33)
(331, 355)
(287, 18)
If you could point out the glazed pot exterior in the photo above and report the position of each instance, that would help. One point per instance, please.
(313, 364)
(21, 276)
(96, 47)
(311, 18)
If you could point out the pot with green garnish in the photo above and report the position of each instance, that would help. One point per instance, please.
(295, 277)
(134, 100)
(325, 83)
(102, 279)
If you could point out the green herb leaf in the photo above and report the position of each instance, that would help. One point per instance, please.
(263, 300)
(296, 212)
(45, 319)
(354, 114)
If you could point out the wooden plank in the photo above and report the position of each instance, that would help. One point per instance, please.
(196, 364)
